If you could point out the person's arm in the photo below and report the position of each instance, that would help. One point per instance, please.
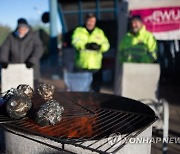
(37, 51)
(152, 46)
(105, 45)
(121, 49)
(5, 50)
(78, 39)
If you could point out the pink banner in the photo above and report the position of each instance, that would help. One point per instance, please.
(160, 19)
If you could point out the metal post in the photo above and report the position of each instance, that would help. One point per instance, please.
(80, 12)
(122, 24)
(63, 23)
(98, 9)
(116, 9)
(53, 31)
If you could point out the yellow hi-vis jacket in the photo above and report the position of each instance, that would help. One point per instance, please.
(139, 48)
(85, 58)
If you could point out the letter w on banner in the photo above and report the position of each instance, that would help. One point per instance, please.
(163, 22)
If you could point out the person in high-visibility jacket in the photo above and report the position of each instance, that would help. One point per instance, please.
(138, 45)
(90, 43)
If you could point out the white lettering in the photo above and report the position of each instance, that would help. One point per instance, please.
(163, 16)
(156, 16)
(139, 140)
(158, 139)
(116, 140)
(176, 15)
(145, 140)
(165, 140)
(177, 140)
(153, 140)
(132, 140)
(171, 140)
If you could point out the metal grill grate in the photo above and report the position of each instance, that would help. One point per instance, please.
(90, 131)
(72, 108)
(6, 119)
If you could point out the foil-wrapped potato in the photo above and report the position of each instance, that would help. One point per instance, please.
(22, 89)
(49, 113)
(11, 92)
(46, 91)
(26, 89)
(18, 106)
(18, 101)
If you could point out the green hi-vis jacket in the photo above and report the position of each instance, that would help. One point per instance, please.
(139, 48)
(89, 59)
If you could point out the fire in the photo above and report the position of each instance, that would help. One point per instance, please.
(69, 127)
(83, 127)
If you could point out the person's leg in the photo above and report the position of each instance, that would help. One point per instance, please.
(97, 79)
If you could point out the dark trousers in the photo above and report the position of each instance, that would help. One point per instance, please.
(97, 79)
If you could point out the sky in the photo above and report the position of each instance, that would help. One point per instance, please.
(11, 10)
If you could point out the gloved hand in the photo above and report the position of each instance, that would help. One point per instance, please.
(4, 65)
(93, 46)
(29, 64)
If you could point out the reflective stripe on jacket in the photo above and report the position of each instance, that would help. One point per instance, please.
(89, 59)
(140, 48)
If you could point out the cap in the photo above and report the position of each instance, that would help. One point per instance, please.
(22, 22)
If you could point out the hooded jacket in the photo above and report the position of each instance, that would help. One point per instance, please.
(22, 50)
(139, 48)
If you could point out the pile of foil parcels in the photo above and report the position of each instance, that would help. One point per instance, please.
(50, 112)
(19, 101)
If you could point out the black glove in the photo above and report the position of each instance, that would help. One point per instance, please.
(93, 46)
(4, 65)
(29, 64)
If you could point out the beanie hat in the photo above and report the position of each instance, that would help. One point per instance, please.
(136, 17)
(22, 22)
